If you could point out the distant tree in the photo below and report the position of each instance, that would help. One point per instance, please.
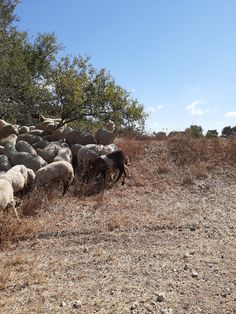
(32, 80)
(233, 130)
(211, 133)
(89, 97)
(24, 65)
(227, 131)
(194, 131)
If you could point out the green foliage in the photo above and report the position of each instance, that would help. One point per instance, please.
(91, 97)
(212, 134)
(227, 131)
(233, 130)
(33, 80)
(194, 131)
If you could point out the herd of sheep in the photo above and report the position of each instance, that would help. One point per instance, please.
(36, 155)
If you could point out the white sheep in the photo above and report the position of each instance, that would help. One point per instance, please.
(30, 138)
(87, 154)
(37, 132)
(3, 123)
(8, 130)
(41, 144)
(43, 125)
(5, 164)
(30, 161)
(105, 137)
(1, 150)
(9, 150)
(23, 146)
(61, 133)
(56, 171)
(64, 154)
(107, 149)
(17, 176)
(6, 196)
(76, 137)
(48, 138)
(30, 177)
(10, 139)
(74, 149)
(24, 129)
(51, 127)
(50, 151)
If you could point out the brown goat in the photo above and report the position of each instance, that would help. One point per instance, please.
(106, 164)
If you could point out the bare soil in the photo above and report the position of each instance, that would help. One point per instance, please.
(159, 242)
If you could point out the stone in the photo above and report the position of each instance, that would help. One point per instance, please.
(63, 304)
(194, 274)
(186, 255)
(77, 304)
(160, 297)
(166, 311)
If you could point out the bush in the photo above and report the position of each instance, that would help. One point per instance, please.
(194, 131)
(227, 131)
(211, 133)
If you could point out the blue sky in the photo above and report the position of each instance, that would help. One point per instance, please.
(177, 57)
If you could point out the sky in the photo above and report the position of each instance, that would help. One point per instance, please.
(176, 57)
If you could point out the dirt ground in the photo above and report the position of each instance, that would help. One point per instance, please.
(152, 246)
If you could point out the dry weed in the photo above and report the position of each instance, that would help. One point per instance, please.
(131, 147)
(200, 170)
(188, 179)
(164, 167)
(118, 221)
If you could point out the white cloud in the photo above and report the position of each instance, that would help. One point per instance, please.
(155, 109)
(230, 114)
(194, 108)
(151, 109)
(160, 107)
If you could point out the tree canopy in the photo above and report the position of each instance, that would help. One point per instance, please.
(33, 79)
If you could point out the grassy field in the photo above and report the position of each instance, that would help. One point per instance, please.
(165, 240)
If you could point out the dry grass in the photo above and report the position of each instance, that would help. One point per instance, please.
(159, 164)
(133, 148)
(116, 250)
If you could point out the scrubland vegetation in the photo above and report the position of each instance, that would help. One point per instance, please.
(169, 231)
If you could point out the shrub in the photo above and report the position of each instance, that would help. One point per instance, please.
(211, 133)
(227, 131)
(194, 131)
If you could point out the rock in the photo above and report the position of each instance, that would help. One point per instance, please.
(192, 228)
(63, 304)
(77, 304)
(185, 267)
(166, 311)
(186, 255)
(133, 307)
(160, 297)
(194, 274)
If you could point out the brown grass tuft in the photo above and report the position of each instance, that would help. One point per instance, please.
(118, 221)
(188, 179)
(187, 151)
(164, 167)
(131, 147)
(200, 170)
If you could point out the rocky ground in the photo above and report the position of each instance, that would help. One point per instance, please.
(154, 245)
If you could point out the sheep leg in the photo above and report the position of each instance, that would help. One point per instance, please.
(122, 170)
(127, 171)
(66, 186)
(14, 209)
